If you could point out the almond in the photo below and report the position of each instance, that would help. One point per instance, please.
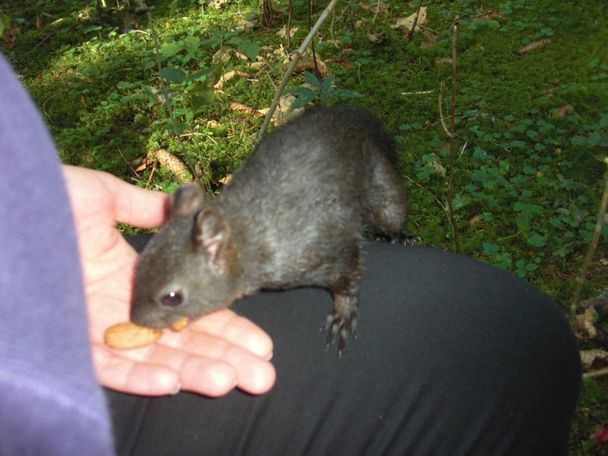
(123, 336)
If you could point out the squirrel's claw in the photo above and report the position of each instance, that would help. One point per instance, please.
(339, 327)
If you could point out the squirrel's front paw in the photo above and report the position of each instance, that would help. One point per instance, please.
(402, 239)
(341, 323)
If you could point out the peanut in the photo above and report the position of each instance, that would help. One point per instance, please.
(180, 324)
(123, 336)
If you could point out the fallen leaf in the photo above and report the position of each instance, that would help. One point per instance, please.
(239, 107)
(239, 55)
(443, 61)
(257, 65)
(8, 31)
(217, 4)
(562, 111)
(141, 167)
(283, 32)
(586, 322)
(374, 7)
(245, 25)
(406, 24)
(594, 358)
(376, 38)
(221, 56)
(282, 54)
(492, 14)
(307, 64)
(227, 77)
(474, 220)
(534, 46)
(225, 180)
(430, 39)
(284, 110)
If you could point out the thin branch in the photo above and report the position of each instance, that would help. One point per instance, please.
(294, 61)
(452, 171)
(597, 373)
(441, 118)
(410, 35)
(274, 86)
(331, 27)
(312, 43)
(463, 148)
(377, 12)
(289, 16)
(417, 92)
(437, 200)
(580, 280)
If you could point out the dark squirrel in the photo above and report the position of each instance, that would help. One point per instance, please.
(292, 216)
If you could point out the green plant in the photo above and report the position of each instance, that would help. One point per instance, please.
(320, 91)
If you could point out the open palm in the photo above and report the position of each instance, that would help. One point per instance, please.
(211, 356)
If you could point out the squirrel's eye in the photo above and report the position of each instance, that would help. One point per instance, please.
(173, 299)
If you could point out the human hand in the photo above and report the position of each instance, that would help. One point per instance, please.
(211, 356)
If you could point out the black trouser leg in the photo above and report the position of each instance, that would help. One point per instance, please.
(454, 357)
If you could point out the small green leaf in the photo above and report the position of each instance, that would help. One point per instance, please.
(170, 49)
(304, 96)
(200, 76)
(249, 48)
(173, 75)
(326, 84)
(490, 249)
(578, 140)
(480, 154)
(536, 239)
(312, 79)
(5, 21)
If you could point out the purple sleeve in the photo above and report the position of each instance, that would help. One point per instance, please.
(50, 401)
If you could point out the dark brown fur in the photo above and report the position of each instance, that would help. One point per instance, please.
(292, 216)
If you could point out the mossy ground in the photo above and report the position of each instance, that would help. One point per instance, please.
(528, 176)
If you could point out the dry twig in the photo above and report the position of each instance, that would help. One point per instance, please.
(294, 61)
(441, 118)
(580, 279)
(452, 171)
(597, 373)
(410, 35)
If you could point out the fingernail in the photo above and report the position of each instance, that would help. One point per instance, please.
(178, 388)
(269, 357)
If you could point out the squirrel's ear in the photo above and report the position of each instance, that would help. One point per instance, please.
(186, 199)
(211, 236)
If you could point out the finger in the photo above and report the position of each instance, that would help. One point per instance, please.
(163, 371)
(132, 205)
(197, 374)
(238, 330)
(254, 375)
(137, 206)
(128, 376)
